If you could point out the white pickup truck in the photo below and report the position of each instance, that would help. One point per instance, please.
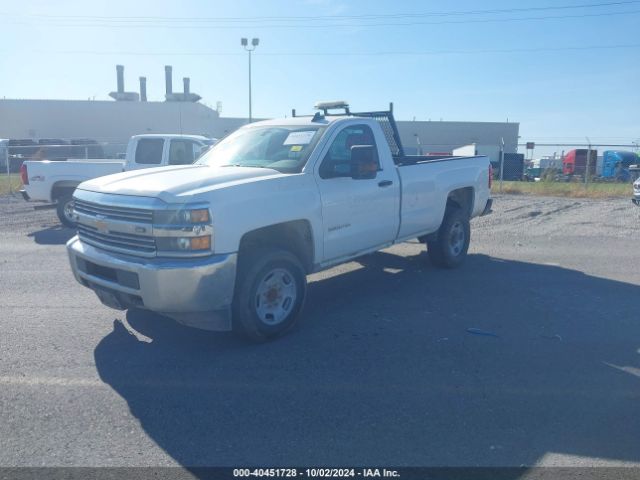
(55, 181)
(228, 242)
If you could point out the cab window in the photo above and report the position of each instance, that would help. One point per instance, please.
(149, 151)
(183, 152)
(337, 161)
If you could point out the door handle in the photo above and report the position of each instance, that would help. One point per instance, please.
(385, 183)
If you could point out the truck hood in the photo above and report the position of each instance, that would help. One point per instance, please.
(171, 183)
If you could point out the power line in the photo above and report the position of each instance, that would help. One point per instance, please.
(336, 25)
(345, 54)
(320, 17)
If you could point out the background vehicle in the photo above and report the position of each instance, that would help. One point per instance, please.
(636, 187)
(538, 167)
(234, 235)
(575, 162)
(55, 181)
(615, 164)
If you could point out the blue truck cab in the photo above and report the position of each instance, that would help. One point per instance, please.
(615, 164)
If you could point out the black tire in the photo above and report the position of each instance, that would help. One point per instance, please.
(449, 248)
(64, 206)
(254, 314)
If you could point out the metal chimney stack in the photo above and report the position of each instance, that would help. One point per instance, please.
(168, 72)
(120, 95)
(184, 96)
(143, 89)
(120, 73)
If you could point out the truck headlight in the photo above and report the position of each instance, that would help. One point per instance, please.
(181, 217)
(200, 215)
(183, 231)
(184, 244)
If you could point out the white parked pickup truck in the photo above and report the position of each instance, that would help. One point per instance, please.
(228, 242)
(55, 181)
(635, 172)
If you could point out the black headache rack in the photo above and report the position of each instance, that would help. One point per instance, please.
(384, 118)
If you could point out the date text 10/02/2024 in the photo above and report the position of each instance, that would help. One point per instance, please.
(316, 472)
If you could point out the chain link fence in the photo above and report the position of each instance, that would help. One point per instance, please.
(584, 163)
(575, 163)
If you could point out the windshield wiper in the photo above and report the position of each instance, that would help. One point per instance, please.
(244, 165)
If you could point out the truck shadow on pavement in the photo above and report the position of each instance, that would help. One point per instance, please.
(383, 371)
(57, 235)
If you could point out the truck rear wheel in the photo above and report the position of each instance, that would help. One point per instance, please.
(270, 291)
(449, 248)
(64, 209)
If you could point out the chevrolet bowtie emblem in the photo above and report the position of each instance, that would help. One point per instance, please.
(101, 225)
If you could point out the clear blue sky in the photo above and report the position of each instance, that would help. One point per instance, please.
(434, 62)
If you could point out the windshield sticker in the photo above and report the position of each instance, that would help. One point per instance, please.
(299, 138)
(296, 148)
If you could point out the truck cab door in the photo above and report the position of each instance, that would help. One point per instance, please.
(360, 213)
(148, 152)
(183, 151)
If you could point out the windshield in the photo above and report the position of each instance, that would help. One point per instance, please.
(283, 148)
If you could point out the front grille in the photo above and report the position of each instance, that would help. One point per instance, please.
(117, 241)
(108, 212)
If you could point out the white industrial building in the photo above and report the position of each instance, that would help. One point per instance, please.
(108, 121)
(444, 137)
(113, 122)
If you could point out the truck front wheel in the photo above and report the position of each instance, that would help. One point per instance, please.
(64, 209)
(270, 291)
(449, 248)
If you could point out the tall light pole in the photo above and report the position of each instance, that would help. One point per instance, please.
(245, 43)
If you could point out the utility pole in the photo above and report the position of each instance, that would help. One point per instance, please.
(587, 163)
(254, 43)
(501, 161)
(4, 154)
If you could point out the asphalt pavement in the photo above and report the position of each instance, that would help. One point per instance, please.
(528, 355)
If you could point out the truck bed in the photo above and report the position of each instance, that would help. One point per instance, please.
(44, 176)
(426, 182)
(405, 160)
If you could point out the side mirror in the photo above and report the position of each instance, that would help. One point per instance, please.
(364, 165)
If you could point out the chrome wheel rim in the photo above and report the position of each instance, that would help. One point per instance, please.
(276, 296)
(68, 210)
(456, 239)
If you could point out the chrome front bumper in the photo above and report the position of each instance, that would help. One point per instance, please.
(197, 292)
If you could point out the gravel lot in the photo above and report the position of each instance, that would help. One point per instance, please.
(382, 371)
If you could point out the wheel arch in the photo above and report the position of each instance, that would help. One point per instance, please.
(294, 236)
(62, 188)
(462, 198)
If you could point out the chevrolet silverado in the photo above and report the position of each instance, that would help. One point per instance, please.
(228, 242)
